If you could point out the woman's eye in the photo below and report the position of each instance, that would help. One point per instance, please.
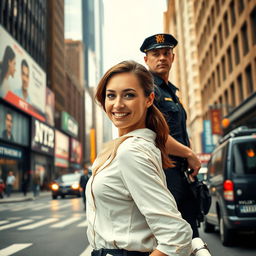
(129, 95)
(110, 95)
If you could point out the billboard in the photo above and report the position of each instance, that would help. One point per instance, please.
(216, 121)
(49, 107)
(76, 151)
(208, 145)
(22, 81)
(14, 127)
(42, 138)
(61, 149)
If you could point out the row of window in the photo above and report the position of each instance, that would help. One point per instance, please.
(238, 90)
(240, 47)
(26, 22)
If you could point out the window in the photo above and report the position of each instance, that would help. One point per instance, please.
(226, 24)
(253, 25)
(240, 88)
(220, 36)
(223, 63)
(248, 72)
(218, 75)
(215, 46)
(232, 13)
(232, 92)
(240, 6)
(245, 39)
(229, 56)
(236, 48)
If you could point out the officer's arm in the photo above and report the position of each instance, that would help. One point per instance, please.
(177, 149)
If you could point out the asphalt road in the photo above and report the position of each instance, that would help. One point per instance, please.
(58, 227)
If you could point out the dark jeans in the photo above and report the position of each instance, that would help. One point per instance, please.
(179, 187)
(8, 190)
(117, 252)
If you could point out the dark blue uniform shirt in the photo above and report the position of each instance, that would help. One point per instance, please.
(168, 103)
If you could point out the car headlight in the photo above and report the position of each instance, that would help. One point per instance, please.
(55, 186)
(75, 186)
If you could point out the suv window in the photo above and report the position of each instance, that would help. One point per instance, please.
(216, 165)
(244, 157)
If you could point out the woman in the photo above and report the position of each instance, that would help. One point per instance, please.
(7, 69)
(130, 211)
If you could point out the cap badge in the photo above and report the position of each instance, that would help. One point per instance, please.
(159, 38)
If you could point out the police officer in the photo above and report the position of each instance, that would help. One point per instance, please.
(159, 58)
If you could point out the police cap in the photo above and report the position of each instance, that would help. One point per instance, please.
(158, 41)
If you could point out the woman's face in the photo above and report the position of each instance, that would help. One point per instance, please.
(125, 103)
(12, 69)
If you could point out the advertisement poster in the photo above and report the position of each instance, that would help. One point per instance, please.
(76, 151)
(49, 107)
(22, 81)
(14, 127)
(61, 149)
(42, 137)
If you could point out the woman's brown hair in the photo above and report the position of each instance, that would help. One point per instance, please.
(154, 119)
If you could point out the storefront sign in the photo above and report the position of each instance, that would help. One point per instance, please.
(207, 137)
(216, 121)
(61, 149)
(22, 81)
(14, 127)
(42, 137)
(7, 152)
(68, 124)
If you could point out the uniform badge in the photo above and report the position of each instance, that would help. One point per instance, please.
(159, 38)
(168, 99)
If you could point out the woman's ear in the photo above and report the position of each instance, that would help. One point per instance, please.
(150, 100)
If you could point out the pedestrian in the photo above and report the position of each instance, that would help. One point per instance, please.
(10, 181)
(159, 58)
(83, 182)
(2, 187)
(130, 211)
(36, 184)
(25, 185)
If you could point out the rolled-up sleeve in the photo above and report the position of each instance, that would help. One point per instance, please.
(140, 172)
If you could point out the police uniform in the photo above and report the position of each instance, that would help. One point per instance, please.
(169, 104)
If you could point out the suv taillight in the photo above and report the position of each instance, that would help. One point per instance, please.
(228, 187)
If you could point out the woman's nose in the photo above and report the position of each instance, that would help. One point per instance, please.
(119, 102)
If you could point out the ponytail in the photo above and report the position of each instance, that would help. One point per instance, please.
(157, 123)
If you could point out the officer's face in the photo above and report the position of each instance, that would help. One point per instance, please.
(126, 104)
(160, 60)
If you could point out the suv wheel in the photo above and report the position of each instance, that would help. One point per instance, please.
(207, 227)
(226, 234)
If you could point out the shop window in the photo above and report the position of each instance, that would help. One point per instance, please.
(245, 39)
(248, 72)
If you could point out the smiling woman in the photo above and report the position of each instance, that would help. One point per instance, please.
(129, 208)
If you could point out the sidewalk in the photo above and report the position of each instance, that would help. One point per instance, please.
(19, 197)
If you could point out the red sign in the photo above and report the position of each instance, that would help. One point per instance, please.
(216, 121)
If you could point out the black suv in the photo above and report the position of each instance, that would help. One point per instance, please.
(232, 183)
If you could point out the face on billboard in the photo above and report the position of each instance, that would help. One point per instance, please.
(13, 126)
(22, 81)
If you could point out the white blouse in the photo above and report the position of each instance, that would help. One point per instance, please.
(128, 203)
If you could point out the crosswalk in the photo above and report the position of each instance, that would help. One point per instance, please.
(14, 248)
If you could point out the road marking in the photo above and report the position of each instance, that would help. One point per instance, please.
(13, 249)
(26, 206)
(87, 251)
(65, 222)
(83, 224)
(38, 224)
(15, 224)
(3, 222)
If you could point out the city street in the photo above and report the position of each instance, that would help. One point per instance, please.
(58, 227)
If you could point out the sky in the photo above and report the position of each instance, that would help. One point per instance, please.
(127, 24)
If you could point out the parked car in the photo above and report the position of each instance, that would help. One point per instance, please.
(231, 179)
(66, 184)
